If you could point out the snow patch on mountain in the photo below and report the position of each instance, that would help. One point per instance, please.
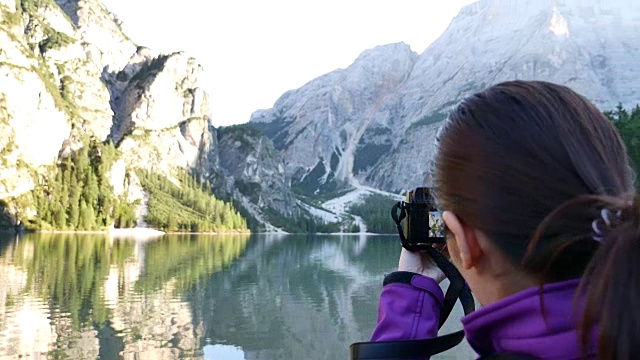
(559, 24)
(322, 214)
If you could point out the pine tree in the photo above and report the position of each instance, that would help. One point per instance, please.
(118, 219)
(74, 202)
(87, 217)
(172, 223)
(628, 125)
(91, 190)
(59, 218)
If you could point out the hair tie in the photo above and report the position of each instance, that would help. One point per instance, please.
(596, 228)
(604, 213)
(606, 221)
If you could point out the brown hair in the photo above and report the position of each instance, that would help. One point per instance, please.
(531, 164)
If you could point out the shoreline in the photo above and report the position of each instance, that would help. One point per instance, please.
(155, 232)
(90, 232)
(208, 233)
(125, 231)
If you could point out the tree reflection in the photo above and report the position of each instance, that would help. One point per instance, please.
(274, 297)
(185, 259)
(69, 270)
(89, 296)
(300, 297)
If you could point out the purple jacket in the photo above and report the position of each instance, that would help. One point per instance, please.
(410, 309)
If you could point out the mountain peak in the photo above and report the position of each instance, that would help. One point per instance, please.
(592, 10)
(385, 51)
(372, 120)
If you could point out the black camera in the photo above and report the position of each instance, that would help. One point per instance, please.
(419, 222)
(420, 226)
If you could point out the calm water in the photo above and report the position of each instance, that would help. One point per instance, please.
(192, 296)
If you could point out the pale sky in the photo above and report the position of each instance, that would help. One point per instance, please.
(255, 50)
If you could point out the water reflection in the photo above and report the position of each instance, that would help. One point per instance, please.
(214, 297)
(83, 296)
(296, 298)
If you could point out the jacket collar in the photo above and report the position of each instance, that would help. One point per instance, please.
(516, 324)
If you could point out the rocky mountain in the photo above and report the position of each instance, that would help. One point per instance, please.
(71, 77)
(253, 173)
(374, 122)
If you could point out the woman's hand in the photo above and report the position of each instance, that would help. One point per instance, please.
(420, 263)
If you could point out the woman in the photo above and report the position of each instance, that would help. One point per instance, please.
(537, 195)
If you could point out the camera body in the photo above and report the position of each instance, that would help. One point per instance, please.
(420, 227)
(420, 222)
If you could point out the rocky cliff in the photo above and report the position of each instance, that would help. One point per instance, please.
(71, 76)
(162, 113)
(54, 96)
(339, 123)
(253, 171)
(374, 122)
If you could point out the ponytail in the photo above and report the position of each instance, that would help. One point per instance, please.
(611, 289)
(609, 293)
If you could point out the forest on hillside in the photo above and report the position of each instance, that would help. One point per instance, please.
(75, 194)
(375, 211)
(189, 206)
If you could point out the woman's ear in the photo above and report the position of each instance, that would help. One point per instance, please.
(466, 240)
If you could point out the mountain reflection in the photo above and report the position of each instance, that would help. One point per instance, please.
(86, 296)
(296, 298)
(73, 296)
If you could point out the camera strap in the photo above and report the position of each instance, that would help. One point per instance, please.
(458, 289)
(402, 206)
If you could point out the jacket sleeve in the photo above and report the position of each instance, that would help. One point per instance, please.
(409, 308)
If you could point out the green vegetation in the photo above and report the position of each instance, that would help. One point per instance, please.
(59, 91)
(243, 133)
(186, 259)
(276, 130)
(69, 271)
(54, 40)
(30, 7)
(311, 186)
(368, 155)
(239, 130)
(628, 125)
(6, 219)
(10, 18)
(77, 194)
(249, 189)
(190, 207)
(50, 83)
(375, 210)
(149, 68)
(252, 223)
(7, 144)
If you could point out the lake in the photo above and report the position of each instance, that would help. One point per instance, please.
(231, 297)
